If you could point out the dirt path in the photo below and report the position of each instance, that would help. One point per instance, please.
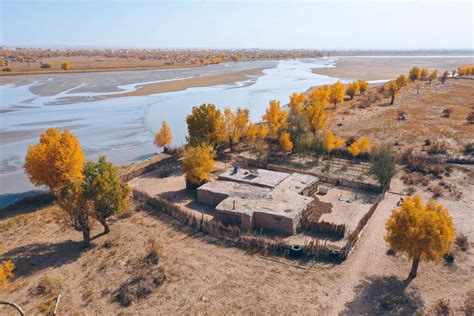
(369, 251)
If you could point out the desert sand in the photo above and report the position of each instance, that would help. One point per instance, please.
(385, 67)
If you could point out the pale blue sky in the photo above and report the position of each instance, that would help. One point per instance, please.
(321, 24)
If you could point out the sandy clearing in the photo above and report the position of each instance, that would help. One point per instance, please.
(379, 68)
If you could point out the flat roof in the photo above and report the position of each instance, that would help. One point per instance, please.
(259, 177)
(263, 191)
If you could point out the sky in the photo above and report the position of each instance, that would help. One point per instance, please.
(323, 24)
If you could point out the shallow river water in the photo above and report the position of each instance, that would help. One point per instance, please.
(122, 128)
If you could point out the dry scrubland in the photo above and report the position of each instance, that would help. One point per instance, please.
(424, 115)
(207, 277)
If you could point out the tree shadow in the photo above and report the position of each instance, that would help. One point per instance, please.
(39, 256)
(384, 296)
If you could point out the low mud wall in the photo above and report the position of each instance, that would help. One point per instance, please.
(354, 236)
(233, 234)
(147, 166)
(322, 177)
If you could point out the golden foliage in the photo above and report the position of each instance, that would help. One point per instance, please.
(432, 76)
(198, 162)
(421, 231)
(251, 132)
(56, 160)
(235, 125)
(363, 86)
(262, 131)
(316, 109)
(275, 117)
(352, 89)
(205, 125)
(362, 145)
(164, 136)
(66, 66)
(424, 74)
(285, 143)
(414, 74)
(6, 271)
(297, 102)
(332, 142)
(401, 81)
(336, 93)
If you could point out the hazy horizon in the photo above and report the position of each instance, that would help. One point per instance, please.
(325, 25)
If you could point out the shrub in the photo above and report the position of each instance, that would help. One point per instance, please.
(468, 307)
(448, 258)
(7, 69)
(469, 149)
(462, 242)
(470, 118)
(447, 113)
(428, 142)
(6, 271)
(45, 66)
(401, 115)
(154, 251)
(438, 148)
(140, 286)
(48, 286)
(437, 191)
(442, 308)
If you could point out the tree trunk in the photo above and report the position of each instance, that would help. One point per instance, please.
(414, 268)
(393, 99)
(105, 224)
(352, 97)
(86, 234)
(231, 144)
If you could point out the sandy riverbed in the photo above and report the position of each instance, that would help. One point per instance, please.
(184, 84)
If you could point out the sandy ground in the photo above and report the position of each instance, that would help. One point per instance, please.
(207, 277)
(424, 116)
(380, 68)
(190, 83)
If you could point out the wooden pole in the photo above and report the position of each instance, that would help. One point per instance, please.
(57, 304)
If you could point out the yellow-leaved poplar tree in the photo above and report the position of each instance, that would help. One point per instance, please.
(276, 118)
(362, 145)
(316, 109)
(235, 125)
(198, 162)
(414, 74)
(332, 142)
(297, 102)
(251, 132)
(262, 131)
(164, 136)
(401, 81)
(66, 66)
(363, 86)
(352, 89)
(336, 93)
(423, 232)
(424, 74)
(391, 88)
(206, 126)
(285, 142)
(56, 160)
(6, 272)
(432, 76)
